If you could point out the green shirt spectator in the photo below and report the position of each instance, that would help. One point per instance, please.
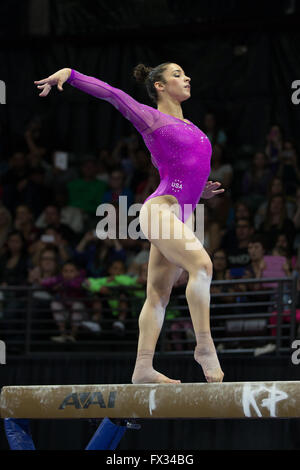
(87, 191)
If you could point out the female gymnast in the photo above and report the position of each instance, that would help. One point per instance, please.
(181, 152)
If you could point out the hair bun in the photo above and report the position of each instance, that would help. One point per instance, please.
(141, 72)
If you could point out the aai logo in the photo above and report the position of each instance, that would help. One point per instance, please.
(85, 399)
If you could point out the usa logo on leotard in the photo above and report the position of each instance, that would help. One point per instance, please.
(176, 185)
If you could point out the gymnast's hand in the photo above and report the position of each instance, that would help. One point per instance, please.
(58, 78)
(211, 189)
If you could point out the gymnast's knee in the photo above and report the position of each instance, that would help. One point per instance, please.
(158, 297)
(202, 269)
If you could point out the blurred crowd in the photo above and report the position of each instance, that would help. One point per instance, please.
(48, 225)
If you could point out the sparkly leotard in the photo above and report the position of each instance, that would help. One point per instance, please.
(180, 150)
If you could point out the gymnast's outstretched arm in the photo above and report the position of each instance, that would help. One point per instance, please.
(140, 115)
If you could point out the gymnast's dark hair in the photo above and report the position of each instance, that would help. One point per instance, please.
(150, 75)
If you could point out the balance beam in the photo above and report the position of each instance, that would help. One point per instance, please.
(190, 400)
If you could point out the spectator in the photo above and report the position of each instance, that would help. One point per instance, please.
(255, 180)
(24, 222)
(52, 216)
(117, 188)
(35, 138)
(101, 286)
(221, 273)
(276, 221)
(212, 231)
(48, 266)
(236, 247)
(5, 226)
(50, 235)
(289, 171)
(14, 263)
(70, 216)
(13, 272)
(282, 248)
(95, 254)
(274, 146)
(87, 191)
(240, 210)
(59, 174)
(275, 188)
(141, 165)
(68, 304)
(141, 258)
(220, 171)
(147, 186)
(215, 134)
(14, 179)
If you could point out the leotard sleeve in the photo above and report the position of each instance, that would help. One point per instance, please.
(140, 115)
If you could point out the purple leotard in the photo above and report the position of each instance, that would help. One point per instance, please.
(180, 150)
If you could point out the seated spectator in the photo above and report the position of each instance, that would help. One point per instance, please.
(14, 263)
(48, 266)
(289, 170)
(220, 171)
(282, 248)
(59, 173)
(35, 138)
(274, 146)
(212, 232)
(275, 188)
(24, 222)
(141, 160)
(264, 266)
(102, 171)
(220, 273)
(147, 186)
(13, 272)
(86, 192)
(123, 155)
(117, 188)
(240, 210)
(141, 258)
(13, 180)
(70, 216)
(236, 247)
(255, 181)
(5, 227)
(68, 305)
(117, 302)
(215, 134)
(95, 254)
(52, 216)
(50, 235)
(276, 222)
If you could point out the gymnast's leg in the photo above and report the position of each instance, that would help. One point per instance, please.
(161, 276)
(199, 266)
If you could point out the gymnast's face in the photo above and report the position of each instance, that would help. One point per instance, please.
(176, 86)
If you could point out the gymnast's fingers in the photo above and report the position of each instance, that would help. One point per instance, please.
(40, 82)
(46, 90)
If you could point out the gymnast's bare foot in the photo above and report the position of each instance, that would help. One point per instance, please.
(205, 354)
(151, 376)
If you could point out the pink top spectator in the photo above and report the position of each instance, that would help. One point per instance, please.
(180, 150)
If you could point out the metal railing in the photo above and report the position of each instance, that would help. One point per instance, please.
(242, 319)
